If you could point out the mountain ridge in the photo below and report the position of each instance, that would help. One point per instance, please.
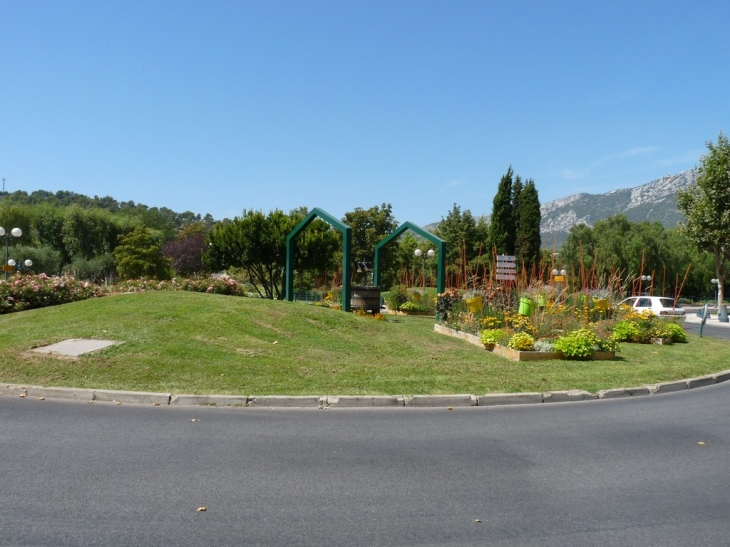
(653, 201)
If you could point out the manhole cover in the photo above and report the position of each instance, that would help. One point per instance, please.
(76, 346)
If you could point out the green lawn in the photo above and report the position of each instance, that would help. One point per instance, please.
(183, 342)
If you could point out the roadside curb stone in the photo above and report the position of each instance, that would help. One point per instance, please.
(358, 401)
(307, 401)
(613, 393)
(209, 400)
(668, 387)
(132, 397)
(11, 389)
(61, 393)
(701, 381)
(569, 395)
(723, 376)
(441, 400)
(499, 399)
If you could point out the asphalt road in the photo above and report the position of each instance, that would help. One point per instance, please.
(611, 472)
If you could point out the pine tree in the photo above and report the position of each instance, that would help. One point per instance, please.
(502, 228)
(527, 213)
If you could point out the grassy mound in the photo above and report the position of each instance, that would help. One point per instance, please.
(205, 343)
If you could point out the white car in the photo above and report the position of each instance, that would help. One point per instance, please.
(659, 305)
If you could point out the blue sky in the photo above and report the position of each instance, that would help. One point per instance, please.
(220, 106)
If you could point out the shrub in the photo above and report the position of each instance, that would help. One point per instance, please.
(674, 332)
(579, 343)
(522, 341)
(397, 296)
(25, 292)
(445, 302)
(409, 306)
(626, 331)
(544, 345)
(492, 336)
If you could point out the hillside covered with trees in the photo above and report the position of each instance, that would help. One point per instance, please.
(101, 239)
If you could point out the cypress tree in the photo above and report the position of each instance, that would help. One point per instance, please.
(528, 239)
(502, 226)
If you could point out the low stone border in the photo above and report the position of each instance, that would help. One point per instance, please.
(355, 401)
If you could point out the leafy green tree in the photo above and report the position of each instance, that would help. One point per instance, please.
(706, 207)
(528, 240)
(318, 251)
(611, 235)
(139, 255)
(186, 253)
(255, 243)
(47, 229)
(370, 227)
(88, 233)
(464, 237)
(17, 216)
(97, 269)
(687, 267)
(577, 253)
(45, 259)
(502, 231)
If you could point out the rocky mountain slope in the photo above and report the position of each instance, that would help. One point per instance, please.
(653, 201)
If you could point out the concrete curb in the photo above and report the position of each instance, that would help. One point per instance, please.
(132, 397)
(499, 399)
(364, 401)
(311, 401)
(356, 401)
(209, 400)
(61, 393)
(441, 400)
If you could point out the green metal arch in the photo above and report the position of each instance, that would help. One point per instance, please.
(346, 253)
(440, 249)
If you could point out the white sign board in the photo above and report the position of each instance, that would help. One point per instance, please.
(506, 268)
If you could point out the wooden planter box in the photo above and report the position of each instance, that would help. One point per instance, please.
(513, 354)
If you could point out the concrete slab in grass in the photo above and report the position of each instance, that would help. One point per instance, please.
(441, 400)
(307, 401)
(358, 401)
(62, 393)
(494, 399)
(139, 397)
(74, 347)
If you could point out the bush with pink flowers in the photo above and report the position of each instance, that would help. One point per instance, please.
(25, 292)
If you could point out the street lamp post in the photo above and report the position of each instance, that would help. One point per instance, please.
(20, 267)
(16, 232)
(645, 278)
(716, 282)
(419, 254)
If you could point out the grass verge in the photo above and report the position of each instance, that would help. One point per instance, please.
(183, 342)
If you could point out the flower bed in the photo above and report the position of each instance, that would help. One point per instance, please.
(517, 355)
(576, 326)
(26, 292)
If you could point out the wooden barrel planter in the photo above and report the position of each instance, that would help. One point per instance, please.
(365, 298)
